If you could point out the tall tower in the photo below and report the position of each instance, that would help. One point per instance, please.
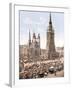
(38, 40)
(33, 40)
(39, 44)
(29, 39)
(51, 52)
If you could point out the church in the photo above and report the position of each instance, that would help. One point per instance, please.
(34, 50)
(34, 44)
(50, 46)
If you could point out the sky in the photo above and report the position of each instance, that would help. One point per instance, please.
(38, 22)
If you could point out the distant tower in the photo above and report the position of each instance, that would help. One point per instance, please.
(34, 37)
(35, 46)
(51, 52)
(29, 39)
(38, 40)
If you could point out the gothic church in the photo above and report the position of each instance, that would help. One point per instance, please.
(34, 44)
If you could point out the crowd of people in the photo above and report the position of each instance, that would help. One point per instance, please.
(40, 70)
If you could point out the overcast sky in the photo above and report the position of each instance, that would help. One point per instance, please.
(38, 22)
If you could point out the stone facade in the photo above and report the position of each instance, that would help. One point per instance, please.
(51, 51)
(34, 46)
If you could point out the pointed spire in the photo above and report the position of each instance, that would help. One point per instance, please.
(39, 36)
(29, 35)
(50, 21)
(29, 38)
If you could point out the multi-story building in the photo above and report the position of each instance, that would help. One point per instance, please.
(50, 46)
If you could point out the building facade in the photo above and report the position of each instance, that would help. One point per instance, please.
(34, 46)
(50, 46)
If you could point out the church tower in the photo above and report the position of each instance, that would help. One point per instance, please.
(38, 40)
(51, 52)
(29, 39)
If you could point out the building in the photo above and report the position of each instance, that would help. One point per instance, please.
(34, 46)
(33, 50)
(50, 46)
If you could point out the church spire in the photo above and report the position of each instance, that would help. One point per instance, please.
(39, 36)
(51, 51)
(50, 21)
(29, 38)
(29, 35)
